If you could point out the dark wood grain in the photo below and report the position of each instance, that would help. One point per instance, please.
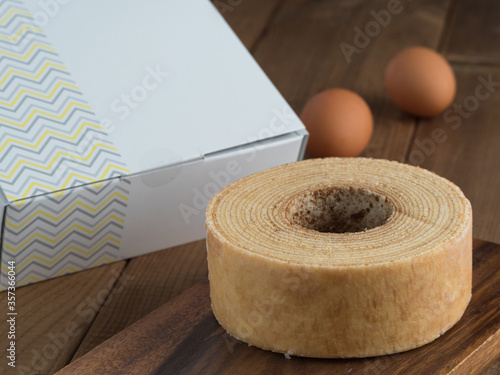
(472, 34)
(247, 18)
(301, 54)
(183, 337)
(152, 280)
(469, 149)
(54, 316)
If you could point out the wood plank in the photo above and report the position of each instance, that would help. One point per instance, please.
(248, 19)
(472, 33)
(301, 54)
(184, 337)
(493, 370)
(469, 154)
(151, 280)
(53, 316)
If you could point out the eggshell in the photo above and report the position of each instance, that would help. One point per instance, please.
(339, 122)
(420, 81)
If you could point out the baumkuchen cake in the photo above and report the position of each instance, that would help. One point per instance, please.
(339, 257)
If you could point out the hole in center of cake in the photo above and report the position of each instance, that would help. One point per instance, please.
(339, 210)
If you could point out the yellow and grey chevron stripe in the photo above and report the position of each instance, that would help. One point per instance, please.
(49, 137)
(53, 235)
(63, 203)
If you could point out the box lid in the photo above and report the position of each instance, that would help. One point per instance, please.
(169, 80)
(93, 90)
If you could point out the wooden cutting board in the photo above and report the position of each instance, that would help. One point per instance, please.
(183, 337)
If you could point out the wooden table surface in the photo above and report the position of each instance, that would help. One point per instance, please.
(296, 42)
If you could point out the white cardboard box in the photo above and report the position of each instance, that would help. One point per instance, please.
(119, 120)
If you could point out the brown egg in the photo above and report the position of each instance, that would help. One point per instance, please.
(339, 122)
(420, 81)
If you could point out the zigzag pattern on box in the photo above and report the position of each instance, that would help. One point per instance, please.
(54, 235)
(49, 137)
